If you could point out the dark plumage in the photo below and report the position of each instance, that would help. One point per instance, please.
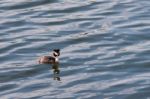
(52, 59)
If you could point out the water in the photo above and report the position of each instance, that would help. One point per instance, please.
(105, 49)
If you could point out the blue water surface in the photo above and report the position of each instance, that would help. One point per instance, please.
(105, 49)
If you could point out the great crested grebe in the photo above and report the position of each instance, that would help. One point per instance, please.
(51, 59)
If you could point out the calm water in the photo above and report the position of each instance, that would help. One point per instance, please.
(105, 49)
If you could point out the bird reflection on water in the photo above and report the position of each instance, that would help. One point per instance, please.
(56, 72)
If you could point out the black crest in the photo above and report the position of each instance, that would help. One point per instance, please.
(57, 50)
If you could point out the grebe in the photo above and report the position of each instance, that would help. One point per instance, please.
(52, 59)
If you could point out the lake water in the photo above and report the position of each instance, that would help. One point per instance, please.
(105, 49)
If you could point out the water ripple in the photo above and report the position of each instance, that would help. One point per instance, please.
(104, 49)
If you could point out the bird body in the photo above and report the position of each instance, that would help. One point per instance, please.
(51, 59)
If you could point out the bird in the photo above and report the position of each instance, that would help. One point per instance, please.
(50, 59)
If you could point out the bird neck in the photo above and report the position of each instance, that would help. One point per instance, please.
(56, 59)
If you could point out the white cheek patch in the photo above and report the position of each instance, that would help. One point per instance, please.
(56, 53)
